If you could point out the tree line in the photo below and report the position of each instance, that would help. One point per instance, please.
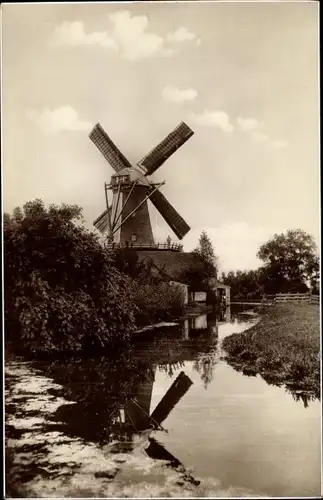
(65, 292)
(290, 265)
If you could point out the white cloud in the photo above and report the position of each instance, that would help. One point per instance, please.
(58, 120)
(72, 34)
(135, 42)
(254, 127)
(174, 94)
(127, 34)
(249, 124)
(181, 35)
(219, 119)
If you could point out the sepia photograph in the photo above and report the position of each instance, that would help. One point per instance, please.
(161, 249)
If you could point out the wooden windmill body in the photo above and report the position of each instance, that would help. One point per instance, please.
(126, 222)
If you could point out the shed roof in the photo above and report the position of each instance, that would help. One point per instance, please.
(172, 266)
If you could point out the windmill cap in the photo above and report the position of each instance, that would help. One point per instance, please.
(134, 175)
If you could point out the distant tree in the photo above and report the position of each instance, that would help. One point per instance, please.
(203, 268)
(244, 284)
(206, 252)
(62, 290)
(290, 261)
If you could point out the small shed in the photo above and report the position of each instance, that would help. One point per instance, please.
(223, 292)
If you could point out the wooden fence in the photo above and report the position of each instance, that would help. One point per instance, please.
(292, 298)
(280, 298)
(315, 299)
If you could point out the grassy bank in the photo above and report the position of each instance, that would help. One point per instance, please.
(284, 348)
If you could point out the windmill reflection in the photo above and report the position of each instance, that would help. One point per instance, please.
(157, 451)
(139, 421)
(135, 419)
(112, 396)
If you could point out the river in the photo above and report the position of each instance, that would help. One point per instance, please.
(88, 427)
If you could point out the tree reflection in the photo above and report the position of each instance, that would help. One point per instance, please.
(274, 379)
(112, 398)
(99, 388)
(204, 364)
(305, 397)
(105, 390)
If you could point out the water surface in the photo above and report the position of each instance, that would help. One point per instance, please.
(84, 427)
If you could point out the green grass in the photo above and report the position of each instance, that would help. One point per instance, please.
(284, 348)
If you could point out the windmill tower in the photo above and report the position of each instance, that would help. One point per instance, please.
(126, 222)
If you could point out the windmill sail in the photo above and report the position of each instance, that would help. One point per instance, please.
(109, 150)
(102, 222)
(153, 160)
(178, 389)
(171, 216)
(158, 451)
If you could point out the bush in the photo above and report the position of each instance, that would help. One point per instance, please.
(155, 300)
(62, 290)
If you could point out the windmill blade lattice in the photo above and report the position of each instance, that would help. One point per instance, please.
(153, 160)
(109, 150)
(101, 223)
(171, 216)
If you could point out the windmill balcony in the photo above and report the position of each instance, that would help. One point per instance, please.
(174, 247)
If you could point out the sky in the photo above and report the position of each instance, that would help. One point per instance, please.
(243, 76)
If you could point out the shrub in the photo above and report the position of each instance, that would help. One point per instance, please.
(62, 291)
(155, 300)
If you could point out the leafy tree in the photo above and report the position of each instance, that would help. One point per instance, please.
(290, 261)
(62, 290)
(244, 284)
(206, 252)
(203, 268)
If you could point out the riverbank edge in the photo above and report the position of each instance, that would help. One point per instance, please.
(188, 312)
(252, 352)
(191, 311)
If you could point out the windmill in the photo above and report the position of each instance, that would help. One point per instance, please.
(126, 221)
(135, 417)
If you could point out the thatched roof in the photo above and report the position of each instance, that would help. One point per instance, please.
(171, 265)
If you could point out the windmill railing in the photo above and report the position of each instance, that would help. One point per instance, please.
(175, 247)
